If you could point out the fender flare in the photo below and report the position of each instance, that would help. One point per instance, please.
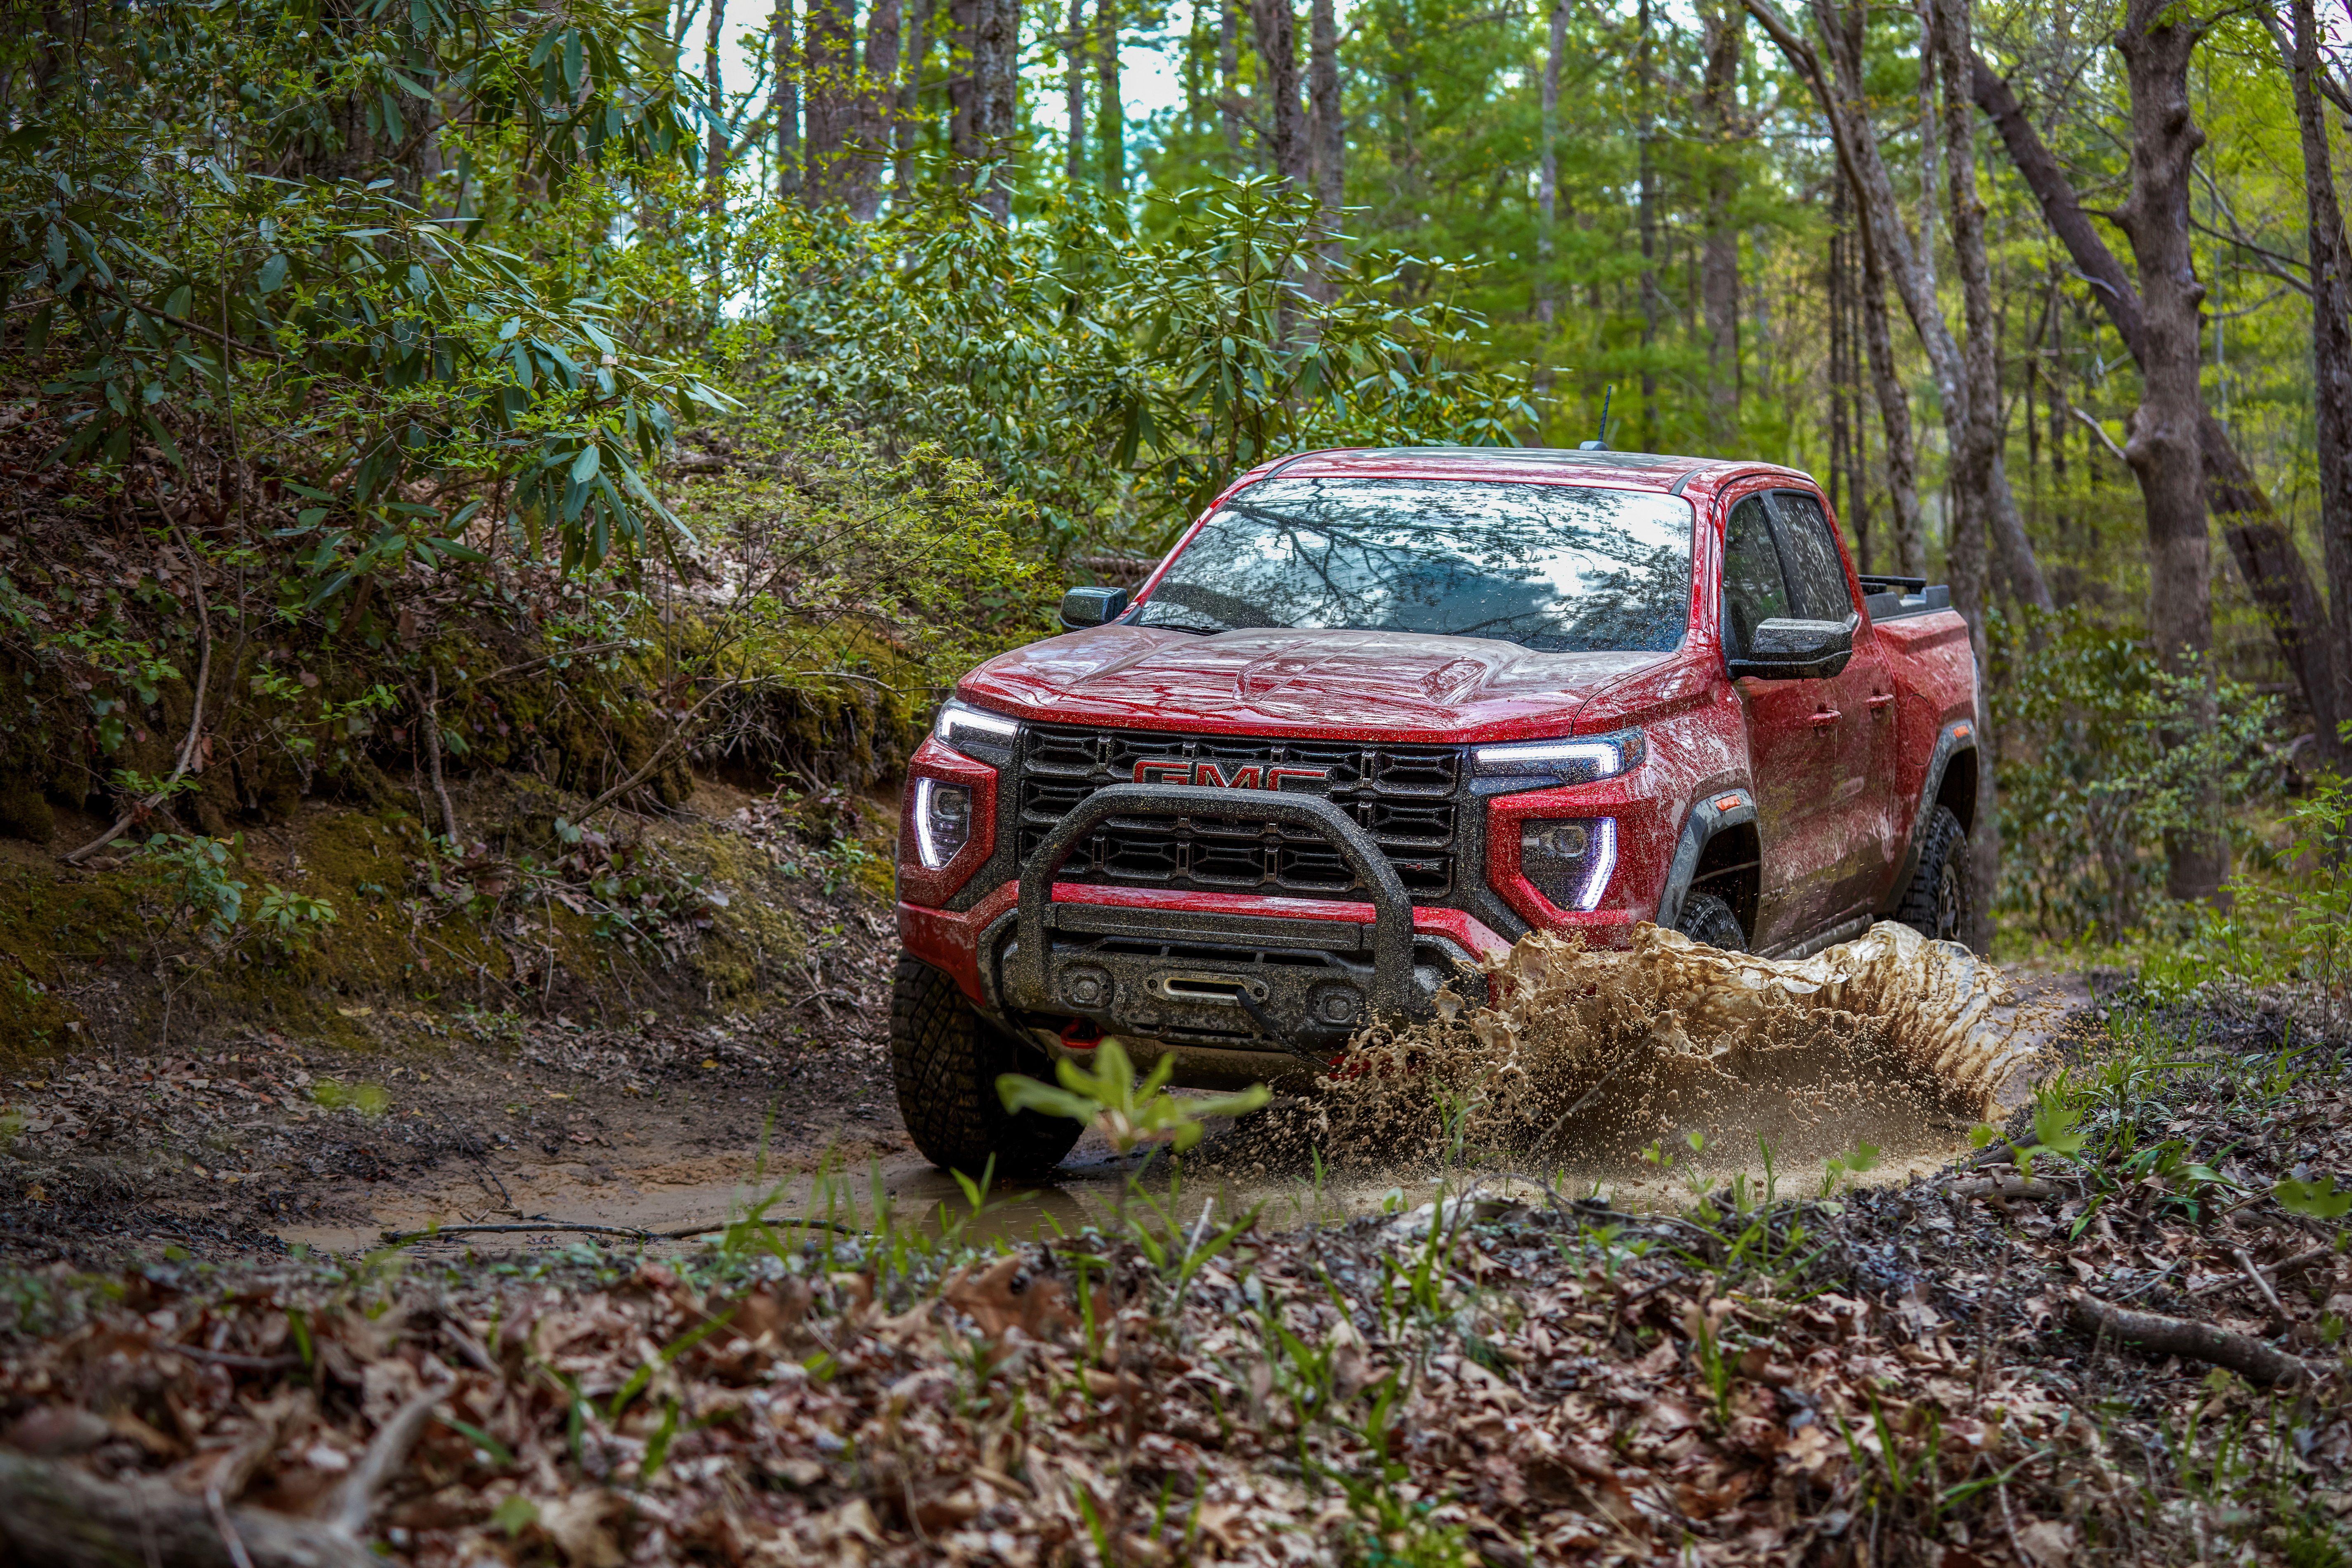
(1709, 815)
(1959, 736)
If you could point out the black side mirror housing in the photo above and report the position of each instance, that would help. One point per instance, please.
(1083, 607)
(1783, 648)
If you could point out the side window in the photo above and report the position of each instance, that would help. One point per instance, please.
(1817, 584)
(1753, 589)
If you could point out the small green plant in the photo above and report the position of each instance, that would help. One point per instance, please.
(367, 1099)
(1844, 1168)
(2314, 1200)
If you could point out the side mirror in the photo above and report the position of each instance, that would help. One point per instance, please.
(1786, 649)
(1083, 607)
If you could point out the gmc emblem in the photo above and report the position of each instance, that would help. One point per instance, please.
(1250, 775)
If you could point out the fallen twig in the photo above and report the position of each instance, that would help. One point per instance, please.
(2262, 1286)
(2242, 1353)
(1996, 1187)
(62, 1517)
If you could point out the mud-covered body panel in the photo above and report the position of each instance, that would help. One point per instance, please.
(1828, 775)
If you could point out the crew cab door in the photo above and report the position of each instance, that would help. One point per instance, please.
(1853, 714)
(1822, 772)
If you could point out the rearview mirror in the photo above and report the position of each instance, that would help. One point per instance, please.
(1083, 607)
(1783, 648)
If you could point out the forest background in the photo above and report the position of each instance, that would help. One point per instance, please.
(401, 389)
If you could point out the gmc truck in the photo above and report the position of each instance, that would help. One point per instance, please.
(1378, 715)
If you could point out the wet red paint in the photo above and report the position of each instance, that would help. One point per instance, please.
(1835, 766)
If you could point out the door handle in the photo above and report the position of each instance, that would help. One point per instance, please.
(1825, 718)
(1880, 703)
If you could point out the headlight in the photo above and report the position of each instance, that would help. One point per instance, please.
(1580, 761)
(1568, 860)
(942, 821)
(983, 736)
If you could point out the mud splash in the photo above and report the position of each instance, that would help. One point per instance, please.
(1590, 1058)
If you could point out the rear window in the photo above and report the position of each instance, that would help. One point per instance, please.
(1558, 568)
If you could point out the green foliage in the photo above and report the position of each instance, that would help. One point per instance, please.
(2102, 755)
(372, 341)
(1127, 1111)
(1121, 376)
(2314, 1200)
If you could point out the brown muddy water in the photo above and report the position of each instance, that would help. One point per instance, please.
(1647, 1076)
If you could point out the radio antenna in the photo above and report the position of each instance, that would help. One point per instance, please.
(1601, 445)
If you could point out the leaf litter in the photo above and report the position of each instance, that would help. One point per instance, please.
(1896, 1373)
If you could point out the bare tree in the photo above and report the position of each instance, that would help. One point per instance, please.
(1278, 46)
(1229, 80)
(874, 112)
(1646, 214)
(1894, 414)
(1328, 143)
(829, 69)
(2156, 40)
(784, 101)
(2331, 354)
(916, 60)
(1074, 90)
(1109, 110)
(2272, 568)
(1547, 179)
(1722, 27)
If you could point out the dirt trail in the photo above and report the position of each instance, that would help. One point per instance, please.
(1809, 1058)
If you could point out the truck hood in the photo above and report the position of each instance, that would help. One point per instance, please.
(1372, 685)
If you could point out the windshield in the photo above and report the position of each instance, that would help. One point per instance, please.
(1552, 567)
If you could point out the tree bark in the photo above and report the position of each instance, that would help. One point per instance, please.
(1647, 219)
(61, 1516)
(784, 101)
(916, 57)
(1110, 112)
(1893, 414)
(1277, 45)
(1329, 144)
(2273, 567)
(1721, 28)
(999, 65)
(2163, 448)
(1986, 472)
(1547, 178)
(876, 107)
(830, 72)
(1074, 91)
(1229, 81)
(2331, 354)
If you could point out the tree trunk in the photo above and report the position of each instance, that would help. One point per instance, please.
(1229, 81)
(874, 110)
(714, 160)
(1893, 414)
(1330, 139)
(2331, 355)
(1719, 247)
(1110, 112)
(1278, 46)
(1074, 91)
(784, 101)
(831, 71)
(2163, 445)
(966, 107)
(999, 67)
(1986, 473)
(1548, 180)
(1647, 216)
(904, 130)
(2273, 567)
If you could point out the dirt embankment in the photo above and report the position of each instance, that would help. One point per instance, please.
(605, 1023)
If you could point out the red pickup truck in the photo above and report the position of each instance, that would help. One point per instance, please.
(1380, 714)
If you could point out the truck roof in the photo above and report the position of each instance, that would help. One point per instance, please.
(1641, 470)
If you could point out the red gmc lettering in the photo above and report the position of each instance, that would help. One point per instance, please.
(1210, 776)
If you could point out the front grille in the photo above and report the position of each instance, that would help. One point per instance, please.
(1403, 796)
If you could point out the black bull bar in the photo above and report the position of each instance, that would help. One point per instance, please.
(1027, 984)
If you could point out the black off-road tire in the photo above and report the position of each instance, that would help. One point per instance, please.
(1941, 903)
(1707, 919)
(945, 1060)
